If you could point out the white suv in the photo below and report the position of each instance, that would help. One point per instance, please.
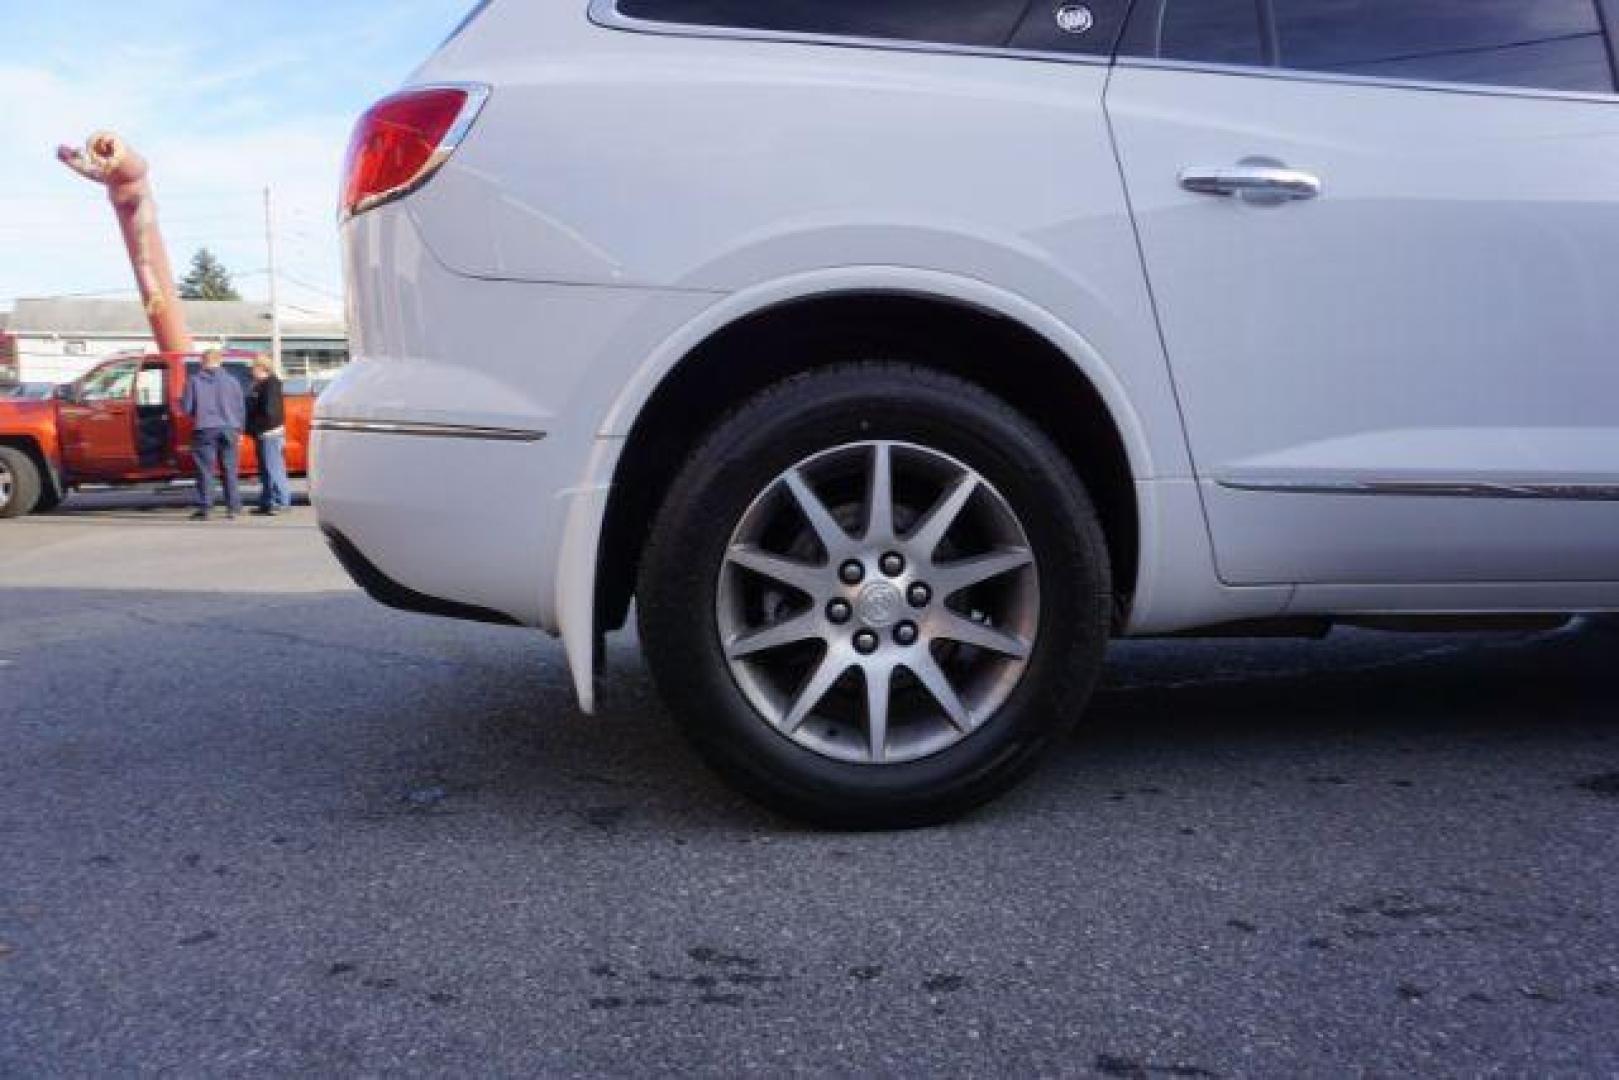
(894, 356)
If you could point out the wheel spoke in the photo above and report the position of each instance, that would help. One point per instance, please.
(952, 577)
(827, 672)
(807, 578)
(789, 631)
(926, 536)
(880, 497)
(879, 683)
(932, 677)
(827, 529)
(938, 627)
(953, 627)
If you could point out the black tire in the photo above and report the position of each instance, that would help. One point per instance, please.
(19, 483)
(783, 426)
(49, 499)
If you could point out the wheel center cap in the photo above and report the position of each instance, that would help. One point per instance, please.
(879, 605)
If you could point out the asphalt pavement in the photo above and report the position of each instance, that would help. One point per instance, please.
(253, 824)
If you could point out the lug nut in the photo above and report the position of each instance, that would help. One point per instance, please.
(893, 564)
(919, 595)
(866, 642)
(905, 633)
(851, 572)
(839, 611)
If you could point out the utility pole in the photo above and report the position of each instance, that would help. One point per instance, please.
(275, 303)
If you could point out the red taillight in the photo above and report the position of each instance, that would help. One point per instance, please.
(402, 140)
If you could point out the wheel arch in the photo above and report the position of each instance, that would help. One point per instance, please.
(49, 476)
(750, 341)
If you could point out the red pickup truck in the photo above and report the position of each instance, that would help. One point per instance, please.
(119, 424)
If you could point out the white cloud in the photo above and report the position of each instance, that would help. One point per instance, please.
(58, 236)
(222, 99)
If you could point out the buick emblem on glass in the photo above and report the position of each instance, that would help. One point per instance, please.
(1075, 19)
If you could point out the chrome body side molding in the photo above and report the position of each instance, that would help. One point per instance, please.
(1444, 489)
(434, 431)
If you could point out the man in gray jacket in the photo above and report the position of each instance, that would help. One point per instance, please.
(213, 399)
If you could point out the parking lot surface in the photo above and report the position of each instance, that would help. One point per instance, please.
(251, 822)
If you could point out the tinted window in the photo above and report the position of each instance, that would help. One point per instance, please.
(1554, 44)
(1210, 31)
(1062, 26)
(951, 22)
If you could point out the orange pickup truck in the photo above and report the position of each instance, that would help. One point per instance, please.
(119, 424)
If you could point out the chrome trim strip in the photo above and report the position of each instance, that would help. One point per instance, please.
(1297, 75)
(605, 13)
(432, 431)
(1444, 489)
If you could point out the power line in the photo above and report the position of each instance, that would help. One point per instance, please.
(82, 295)
(87, 193)
(306, 310)
(323, 290)
(90, 294)
(86, 221)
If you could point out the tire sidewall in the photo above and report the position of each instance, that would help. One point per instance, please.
(777, 432)
(25, 483)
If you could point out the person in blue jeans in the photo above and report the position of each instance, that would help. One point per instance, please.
(267, 423)
(217, 407)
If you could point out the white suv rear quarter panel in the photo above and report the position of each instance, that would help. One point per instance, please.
(475, 521)
(717, 165)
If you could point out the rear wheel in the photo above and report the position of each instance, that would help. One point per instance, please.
(49, 498)
(874, 595)
(19, 483)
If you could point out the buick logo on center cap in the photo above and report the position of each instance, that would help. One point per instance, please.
(879, 605)
(1075, 19)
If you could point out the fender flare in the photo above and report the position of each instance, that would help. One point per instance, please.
(587, 501)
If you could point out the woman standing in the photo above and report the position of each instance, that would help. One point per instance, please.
(266, 422)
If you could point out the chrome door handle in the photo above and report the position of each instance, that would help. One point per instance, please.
(1254, 183)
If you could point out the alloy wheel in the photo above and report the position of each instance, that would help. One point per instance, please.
(878, 602)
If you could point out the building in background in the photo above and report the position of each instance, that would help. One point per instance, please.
(8, 350)
(58, 339)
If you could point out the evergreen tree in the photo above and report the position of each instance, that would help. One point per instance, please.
(208, 280)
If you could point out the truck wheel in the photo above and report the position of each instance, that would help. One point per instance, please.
(49, 499)
(19, 483)
(874, 595)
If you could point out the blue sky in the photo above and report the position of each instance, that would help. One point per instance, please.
(223, 98)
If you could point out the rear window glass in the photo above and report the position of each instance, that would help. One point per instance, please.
(1208, 31)
(1550, 44)
(1540, 44)
(1090, 29)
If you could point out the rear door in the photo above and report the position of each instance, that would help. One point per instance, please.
(1382, 238)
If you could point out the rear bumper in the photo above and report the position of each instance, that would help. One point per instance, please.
(385, 590)
(452, 525)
